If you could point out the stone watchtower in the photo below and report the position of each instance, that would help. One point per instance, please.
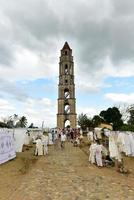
(66, 90)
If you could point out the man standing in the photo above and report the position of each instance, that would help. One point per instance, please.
(38, 150)
(53, 136)
(45, 142)
(63, 139)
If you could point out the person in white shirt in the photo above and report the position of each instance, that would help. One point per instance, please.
(63, 139)
(39, 149)
(45, 140)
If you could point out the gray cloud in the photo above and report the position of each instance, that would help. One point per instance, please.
(123, 8)
(95, 30)
(6, 55)
(10, 88)
(6, 43)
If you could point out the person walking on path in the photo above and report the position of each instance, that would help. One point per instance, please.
(63, 139)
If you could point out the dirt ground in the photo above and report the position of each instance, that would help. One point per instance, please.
(63, 175)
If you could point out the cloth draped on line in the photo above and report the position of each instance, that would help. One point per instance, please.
(97, 132)
(7, 148)
(50, 141)
(129, 144)
(98, 154)
(114, 148)
(131, 138)
(120, 141)
(92, 150)
(90, 136)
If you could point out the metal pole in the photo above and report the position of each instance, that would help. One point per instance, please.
(42, 125)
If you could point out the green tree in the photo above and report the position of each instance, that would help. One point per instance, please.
(112, 115)
(97, 120)
(84, 121)
(131, 117)
(3, 125)
(23, 121)
(11, 121)
(124, 110)
(127, 127)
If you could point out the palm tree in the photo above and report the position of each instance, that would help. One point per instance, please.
(23, 122)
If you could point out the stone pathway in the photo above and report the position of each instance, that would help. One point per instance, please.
(67, 175)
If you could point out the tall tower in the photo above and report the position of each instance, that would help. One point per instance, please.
(66, 90)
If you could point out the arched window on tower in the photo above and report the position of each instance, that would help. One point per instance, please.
(66, 94)
(67, 108)
(65, 53)
(67, 124)
(66, 69)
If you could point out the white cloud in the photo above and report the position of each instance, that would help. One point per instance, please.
(95, 81)
(5, 105)
(120, 97)
(46, 102)
(123, 69)
(31, 112)
(39, 110)
(29, 103)
(10, 88)
(6, 109)
(87, 85)
(35, 110)
(29, 66)
(90, 112)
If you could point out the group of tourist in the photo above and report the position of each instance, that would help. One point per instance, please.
(99, 153)
(72, 135)
(58, 137)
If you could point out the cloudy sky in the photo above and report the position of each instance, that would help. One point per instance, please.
(32, 32)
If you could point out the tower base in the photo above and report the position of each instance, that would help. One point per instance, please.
(61, 119)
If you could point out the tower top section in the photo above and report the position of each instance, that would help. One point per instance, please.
(66, 46)
(66, 50)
